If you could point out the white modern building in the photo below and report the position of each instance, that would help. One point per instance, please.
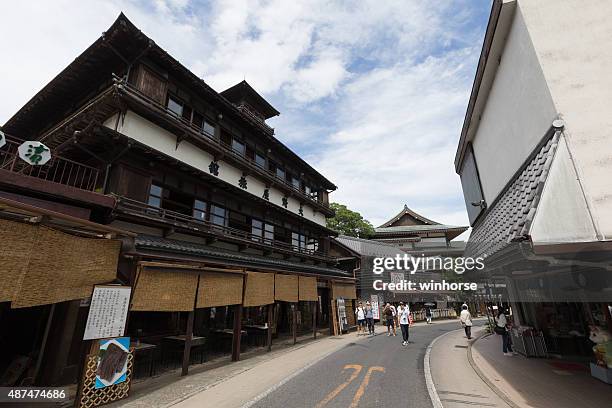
(535, 159)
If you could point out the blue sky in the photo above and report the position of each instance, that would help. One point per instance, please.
(371, 93)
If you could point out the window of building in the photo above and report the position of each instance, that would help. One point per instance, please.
(256, 229)
(199, 209)
(238, 146)
(295, 182)
(268, 232)
(262, 230)
(298, 241)
(218, 215)
(175, 106)
(155, 196)
(208, 129)
(280, 173)
(313, 244)
(260, 160)
(470, 181)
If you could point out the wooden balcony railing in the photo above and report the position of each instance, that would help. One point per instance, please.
(57, 170)
(226, 148)
(136, 208)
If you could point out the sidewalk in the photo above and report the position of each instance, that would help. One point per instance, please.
(530, 382)
(456, 382)
(217, 383)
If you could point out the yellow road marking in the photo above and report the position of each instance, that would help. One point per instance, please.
(364, 384)
(357, 369)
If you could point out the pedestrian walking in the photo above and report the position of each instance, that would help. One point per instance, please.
(361, 320)
(389, 319)
(395, 323)
(403, 313)
(369, 315)
(428, 315)
(466, 321)
(501, 328)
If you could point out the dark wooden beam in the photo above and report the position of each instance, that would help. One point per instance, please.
(187, 351)
(294, 322)
(314, 319)
(270, 320)
(237, 333)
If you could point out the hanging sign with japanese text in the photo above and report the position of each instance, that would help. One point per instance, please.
(107, 312)
(34, 153)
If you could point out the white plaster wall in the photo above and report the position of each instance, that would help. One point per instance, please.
(572, 39)
(518, 112)
(147, 133)
(562, 214)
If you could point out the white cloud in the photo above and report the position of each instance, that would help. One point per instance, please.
(380, 87)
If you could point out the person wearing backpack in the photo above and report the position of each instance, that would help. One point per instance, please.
(466, 321)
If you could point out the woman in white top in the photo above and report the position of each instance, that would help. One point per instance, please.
(360, 312)
(403, 313)
(466, 321)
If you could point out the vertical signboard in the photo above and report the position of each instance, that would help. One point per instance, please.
(107, 312)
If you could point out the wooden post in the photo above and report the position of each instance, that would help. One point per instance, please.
(294, 322)
(269, 334)
(189, 332)
(333, 319)
(43, 345)
(237, 333)
(187, 350)
(314, 319)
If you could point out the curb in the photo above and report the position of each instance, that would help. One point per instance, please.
(431, 387)
(484, 378)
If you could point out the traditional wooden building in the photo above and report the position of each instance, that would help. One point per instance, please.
(410, 231)
(232, 245)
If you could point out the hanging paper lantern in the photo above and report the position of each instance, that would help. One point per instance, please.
(2, 139)
(34, 153)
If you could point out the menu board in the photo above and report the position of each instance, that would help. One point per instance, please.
(107, 312)
(375, 307)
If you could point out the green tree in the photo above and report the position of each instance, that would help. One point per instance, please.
(351, 223)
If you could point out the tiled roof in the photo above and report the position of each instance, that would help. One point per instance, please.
(368, 247)
(411, 213)
(509, 217)
(417, 228)
(190, 248)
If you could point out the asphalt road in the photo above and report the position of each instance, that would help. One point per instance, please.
(370, 372)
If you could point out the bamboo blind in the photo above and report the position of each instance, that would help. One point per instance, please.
(164, 291)
(308, 288)
(259, 289)
(219, 289)
(64, 267)
(286, 288)
(17, 242)
(344, 290)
